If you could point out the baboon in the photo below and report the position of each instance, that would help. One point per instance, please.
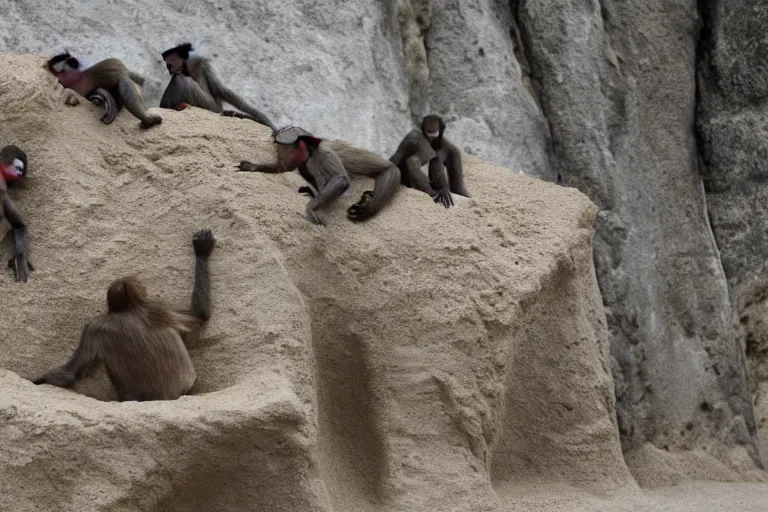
(107, 83)
(13, 169)
(194, 83)
(324, 164)
(428, 145)
(139, 340)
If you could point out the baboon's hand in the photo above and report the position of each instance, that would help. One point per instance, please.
(203, 242)
(246, 166)
(307, 190)
(55, 377)
(443, 197)
(151, 120)
(354, 211)
(70, 98)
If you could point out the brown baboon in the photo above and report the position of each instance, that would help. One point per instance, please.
(428, 145)
(194, 83)
(324, 165)
(140, 340)
(13, 169)
(107, 83)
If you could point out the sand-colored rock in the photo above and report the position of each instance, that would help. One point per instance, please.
(428, 358)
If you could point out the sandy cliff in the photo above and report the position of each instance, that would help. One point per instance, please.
(654, 110)
(429, 357)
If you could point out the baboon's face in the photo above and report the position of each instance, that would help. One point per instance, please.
(432, 130)
(67, 71)
(174, 63)
(12, 172)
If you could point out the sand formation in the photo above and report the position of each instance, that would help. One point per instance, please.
(427, 359)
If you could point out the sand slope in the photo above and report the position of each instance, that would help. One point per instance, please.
(428, 359)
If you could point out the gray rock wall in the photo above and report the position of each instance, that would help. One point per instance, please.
(600, 95)
(732, 124)
(619, 91)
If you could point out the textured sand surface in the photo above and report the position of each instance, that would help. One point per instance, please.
(428, 359)
(689, 497)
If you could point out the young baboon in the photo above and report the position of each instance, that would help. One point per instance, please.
(13, 169)
(324, 165)
(195, 83)
(429, 146)
(140, 340)
(107, 83)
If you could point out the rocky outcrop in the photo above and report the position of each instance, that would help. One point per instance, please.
(732, 120)
(363, 70)
(425, 359)
(619, 89)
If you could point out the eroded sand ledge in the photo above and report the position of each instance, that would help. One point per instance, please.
(428, 359)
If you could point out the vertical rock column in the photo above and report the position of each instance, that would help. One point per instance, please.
(619, 91)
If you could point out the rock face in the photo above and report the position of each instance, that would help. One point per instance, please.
(732, 119)
(731, 125)
(618, 82)
(425, 359)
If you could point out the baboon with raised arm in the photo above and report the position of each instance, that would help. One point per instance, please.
(139, 340)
